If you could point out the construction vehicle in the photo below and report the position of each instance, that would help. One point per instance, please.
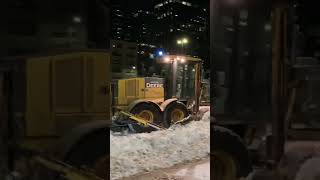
(162, 100)
(231, 158)
(58, 106)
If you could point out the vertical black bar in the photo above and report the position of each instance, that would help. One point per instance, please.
(213, 13)
(234, 65)
(174, 78)
(10, 136)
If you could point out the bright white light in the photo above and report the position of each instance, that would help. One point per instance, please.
(166, 59)
(76, 19)
(183, 60)
(193, 70)
(179, 42)
(133, 67)
(185, 40)
(160, 53)
(178, 58)
(267, 27)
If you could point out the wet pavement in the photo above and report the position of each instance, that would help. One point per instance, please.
(197, 170)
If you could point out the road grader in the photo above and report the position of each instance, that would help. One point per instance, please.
(56, 110)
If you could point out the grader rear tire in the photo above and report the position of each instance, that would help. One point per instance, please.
(149, 112)
(230, 155)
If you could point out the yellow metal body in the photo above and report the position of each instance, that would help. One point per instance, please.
(142, 121)
(64, 91)
(133, 89)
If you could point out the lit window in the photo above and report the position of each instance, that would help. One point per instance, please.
(158, 5)
(77, 19)
(267, 27)
(243, 23)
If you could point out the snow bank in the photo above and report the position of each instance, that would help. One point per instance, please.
(138, 153)
(309, 170)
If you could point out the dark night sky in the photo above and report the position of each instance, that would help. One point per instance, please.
(149, 4)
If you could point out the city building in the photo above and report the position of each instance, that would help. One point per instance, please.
(35, 26)
(123, 24)
(178, 19)
(123, 59)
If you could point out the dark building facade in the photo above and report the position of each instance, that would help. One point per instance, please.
(35, 26)
(177, 19)
(123, 23)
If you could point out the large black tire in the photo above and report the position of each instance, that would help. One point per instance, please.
(230, 155)
(175, 106)
(91, 152)
(156, 113)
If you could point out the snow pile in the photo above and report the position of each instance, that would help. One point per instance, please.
(138, 153)
(309, 170)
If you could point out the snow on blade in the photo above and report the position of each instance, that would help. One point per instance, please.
(146, 152)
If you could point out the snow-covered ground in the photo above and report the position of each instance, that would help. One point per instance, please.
(136, 153)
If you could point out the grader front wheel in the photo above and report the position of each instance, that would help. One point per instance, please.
(224, 166)
(175, 112)
(90, 153)
(230, 155)
(148, 112)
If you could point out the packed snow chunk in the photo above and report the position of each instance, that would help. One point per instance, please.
(309, 170)
(137, 153)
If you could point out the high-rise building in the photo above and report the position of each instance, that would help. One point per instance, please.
(123, 59)
(123, 23)
(179, 18)
(35, 26)
(145, 22)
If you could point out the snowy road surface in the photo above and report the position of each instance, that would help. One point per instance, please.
(197, 170)
(139, 153)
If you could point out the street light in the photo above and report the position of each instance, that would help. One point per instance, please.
(182, 42)
(185, 40)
